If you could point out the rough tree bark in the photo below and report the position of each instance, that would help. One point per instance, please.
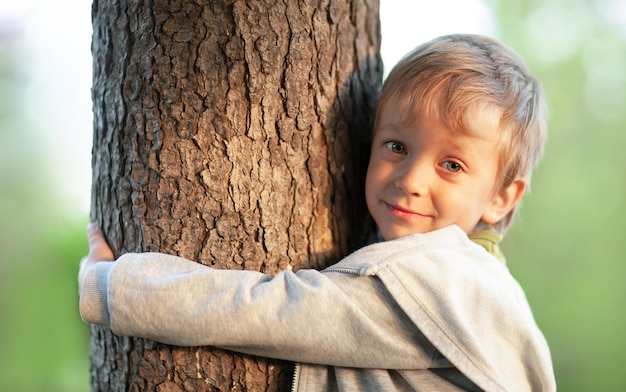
(235, 134)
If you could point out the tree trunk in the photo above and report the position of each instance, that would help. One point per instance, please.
(235, 134)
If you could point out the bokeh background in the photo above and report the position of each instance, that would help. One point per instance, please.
(567, 247)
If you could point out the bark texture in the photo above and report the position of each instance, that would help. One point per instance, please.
(235, 134)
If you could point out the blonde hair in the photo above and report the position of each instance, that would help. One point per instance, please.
(453, 76)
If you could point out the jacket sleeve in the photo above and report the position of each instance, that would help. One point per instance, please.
(327, 318)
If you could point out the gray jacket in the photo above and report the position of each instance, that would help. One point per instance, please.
(427, 312)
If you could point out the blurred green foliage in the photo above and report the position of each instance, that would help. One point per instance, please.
(43, 343)
(565, 248)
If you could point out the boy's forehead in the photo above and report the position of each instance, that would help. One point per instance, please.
(479, 119)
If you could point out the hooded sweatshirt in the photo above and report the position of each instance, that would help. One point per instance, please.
(426, 312)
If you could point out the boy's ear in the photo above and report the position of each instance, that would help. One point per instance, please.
(504, 201)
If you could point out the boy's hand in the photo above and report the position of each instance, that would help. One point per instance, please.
(99, 251)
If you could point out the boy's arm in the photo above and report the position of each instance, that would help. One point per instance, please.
(327, 318)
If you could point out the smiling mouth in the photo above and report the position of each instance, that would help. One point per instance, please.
(403, 213)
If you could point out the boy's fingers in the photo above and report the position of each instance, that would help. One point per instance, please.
(93, 229)
(94, 235)
(98, 248)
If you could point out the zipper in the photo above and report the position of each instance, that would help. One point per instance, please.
(343, 270)
(364, 270)
(296, 377)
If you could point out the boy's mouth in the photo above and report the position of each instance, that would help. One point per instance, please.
(404, 213)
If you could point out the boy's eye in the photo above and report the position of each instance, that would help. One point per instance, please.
(396, 148)
(451, 166)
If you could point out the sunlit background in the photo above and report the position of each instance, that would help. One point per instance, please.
(567, 247)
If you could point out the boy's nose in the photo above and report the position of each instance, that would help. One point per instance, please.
(413, 178)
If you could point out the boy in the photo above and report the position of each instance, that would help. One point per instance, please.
(459, 126)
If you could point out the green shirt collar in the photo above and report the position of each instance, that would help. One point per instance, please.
(489, 239)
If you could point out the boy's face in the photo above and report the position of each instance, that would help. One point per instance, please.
(424, 176)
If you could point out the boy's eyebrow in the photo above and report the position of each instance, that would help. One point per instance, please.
(389, 127)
